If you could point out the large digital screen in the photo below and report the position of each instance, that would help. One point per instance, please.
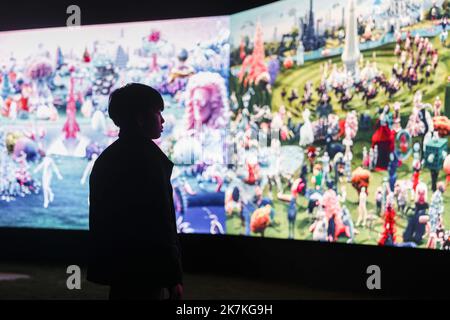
(310, 120)
(54, 118)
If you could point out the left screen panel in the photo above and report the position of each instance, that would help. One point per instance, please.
(54, 89)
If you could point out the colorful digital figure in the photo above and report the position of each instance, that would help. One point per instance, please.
(308, 120)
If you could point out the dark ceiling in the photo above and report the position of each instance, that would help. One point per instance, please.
(17, 14)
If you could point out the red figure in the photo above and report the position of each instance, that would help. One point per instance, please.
(253, 170)
(388, 235)
(403, 144)
(384, 137)
(86, 56)
(416, 178)
(254, 67)
(242, 50)
(71, 127)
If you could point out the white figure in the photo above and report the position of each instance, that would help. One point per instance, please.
(348, 143)
(48, 166)
(397, 124)
(215, 225)
(87, 108)
(88, 169)
(436, 211)
(348, 222)
(385, 191)
(273, 176)
(401, 191)
(342, 196)
(375, 156)
(371, 157)
(184, 227)
(365, 157)
(325, 168)
(428, 118)
(416, 155)
(348, 157)
(403, 57)
(426, 139)
(348, 165)
(417, 100)
(362, 208)
(98, 121)
(276, 125)
(320, 227)
(300, 54)
(13, 110)
(306, 131)
(46, 112)
(301, 158)
(443, 37)
(397, 50)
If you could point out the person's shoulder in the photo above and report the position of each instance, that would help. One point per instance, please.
(109, 152)
(108, 157)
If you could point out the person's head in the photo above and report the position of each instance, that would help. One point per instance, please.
(421, 192)
(137, 107)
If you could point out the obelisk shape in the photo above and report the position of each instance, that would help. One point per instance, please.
(351, 53)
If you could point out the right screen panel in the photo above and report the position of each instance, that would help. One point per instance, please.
(340, 122)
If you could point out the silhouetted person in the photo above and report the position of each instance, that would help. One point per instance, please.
(133, 243)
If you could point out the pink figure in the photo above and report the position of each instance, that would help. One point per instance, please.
(351, 124)
(396, 118)
(206, 101)
(446, 167)
(154, 64)
(366, 158)
(71, 127)
(154, 38)
(333, 211)
(254, 68)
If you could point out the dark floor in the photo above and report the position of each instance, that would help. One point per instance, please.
(49, 282)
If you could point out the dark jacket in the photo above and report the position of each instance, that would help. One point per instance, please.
(132, 229)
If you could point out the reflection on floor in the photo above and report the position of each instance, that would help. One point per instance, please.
(12, 276)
